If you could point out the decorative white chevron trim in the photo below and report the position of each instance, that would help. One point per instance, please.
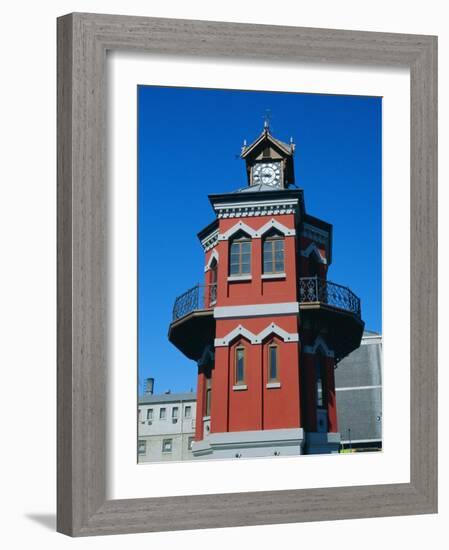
(256, 310)
(319, 343)
(274, 224)
(210, 241)
(257, 233)
(240, 226)
(256, 208)
(240, 330)
(313, 248)
(212, 257)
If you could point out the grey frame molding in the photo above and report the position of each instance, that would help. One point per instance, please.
(83, 40)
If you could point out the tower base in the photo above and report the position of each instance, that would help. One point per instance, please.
(250, 444)
(322, 443)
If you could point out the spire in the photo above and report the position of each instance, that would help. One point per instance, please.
(267, 119)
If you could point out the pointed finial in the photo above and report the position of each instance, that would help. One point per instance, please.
(267, 118)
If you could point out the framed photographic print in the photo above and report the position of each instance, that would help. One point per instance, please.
(246, 274)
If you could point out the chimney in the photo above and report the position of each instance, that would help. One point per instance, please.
(149, 386)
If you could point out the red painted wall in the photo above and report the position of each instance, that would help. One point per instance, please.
(293, 404)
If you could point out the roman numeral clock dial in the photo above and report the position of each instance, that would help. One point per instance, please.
(268, 173)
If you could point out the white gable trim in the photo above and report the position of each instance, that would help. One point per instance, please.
(256, 233)
(240, 226)
(319, 343)
(240, 330)
(274, 224)
(313, 248)
(212, 257)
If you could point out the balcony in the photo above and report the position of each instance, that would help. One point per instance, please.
(314, 290)
(324, 306)
(193, 323)
(334, 310)
(199, 297)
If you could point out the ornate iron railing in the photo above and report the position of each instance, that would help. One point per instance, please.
(198, 297)
(312, 289)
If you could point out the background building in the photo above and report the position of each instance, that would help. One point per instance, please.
(166, 426)
(358, 381)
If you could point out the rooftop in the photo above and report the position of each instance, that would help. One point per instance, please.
(148, 398)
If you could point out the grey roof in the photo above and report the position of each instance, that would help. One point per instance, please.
(256, 188)
(147, 398)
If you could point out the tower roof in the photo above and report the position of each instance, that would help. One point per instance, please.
(262, 140)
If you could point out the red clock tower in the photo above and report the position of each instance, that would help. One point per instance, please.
(266, 327)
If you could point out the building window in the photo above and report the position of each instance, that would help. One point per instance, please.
(321, 382)
(207, 407)
(273, 255)
(240, 259)
(174, 414)
(167, 445)
(163, 413)
(150, 414)
(188, 411)
(139, 413)
(190, 443)
(273, 363)
(142, 448)
(239, 365)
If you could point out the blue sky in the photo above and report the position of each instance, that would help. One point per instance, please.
(189, 142)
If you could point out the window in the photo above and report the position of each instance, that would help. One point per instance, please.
(208, 397)
(150, 414)
(167, 445)
(239, 365)
(273, 255)
(163, 413)
(240, 260)
(174, 413)
(142, 448)
(188, 411)
(273, 363)
(190, 443)
(321, 382)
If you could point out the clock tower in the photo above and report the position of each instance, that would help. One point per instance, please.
(266, 327)
(269, 162)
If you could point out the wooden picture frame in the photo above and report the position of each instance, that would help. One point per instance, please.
(83, 40)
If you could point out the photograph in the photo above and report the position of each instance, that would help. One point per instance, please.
(259, 274)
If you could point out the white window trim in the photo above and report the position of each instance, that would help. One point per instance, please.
(319, 343)
(273, 385)
(274, 275)
(257, 233)
(313, 248)
(240, 330)
(212, 257)
(240, 278)
(240, 387)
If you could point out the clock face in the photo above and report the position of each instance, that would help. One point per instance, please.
(268, 173)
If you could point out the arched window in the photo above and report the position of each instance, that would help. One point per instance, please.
(273, 254)
(213, 282)
(321, 398)
(273, 362)
(240, 365)
(208, 399)
(240, 256)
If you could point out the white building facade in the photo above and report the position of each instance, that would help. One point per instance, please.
(166, 427)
